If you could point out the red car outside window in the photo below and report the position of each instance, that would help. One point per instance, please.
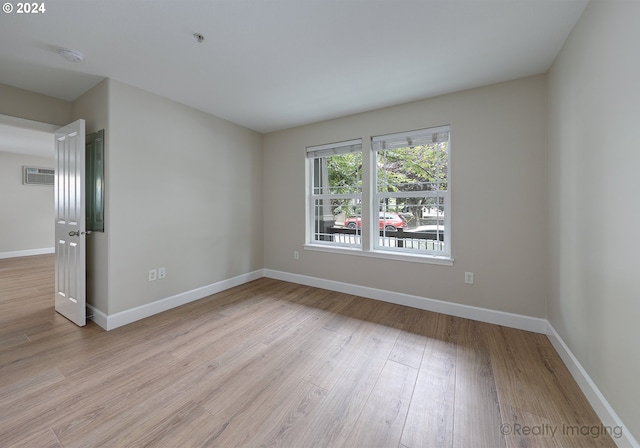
(388, 221)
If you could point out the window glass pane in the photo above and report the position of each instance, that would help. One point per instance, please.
(422, 228)
(323, 220)
(337, 179)
(337, 221)
(339, 174)
(417, 168)
(412, 184)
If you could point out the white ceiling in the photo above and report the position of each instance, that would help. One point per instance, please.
(274, 64)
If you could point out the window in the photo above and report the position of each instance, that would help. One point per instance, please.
(412, 184)
(336, 193)
(399, 210)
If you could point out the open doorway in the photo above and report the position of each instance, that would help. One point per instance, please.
(26, 208)
(42, 180)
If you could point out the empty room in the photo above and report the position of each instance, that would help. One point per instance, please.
(319, 223)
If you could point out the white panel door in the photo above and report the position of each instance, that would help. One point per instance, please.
(70, 247)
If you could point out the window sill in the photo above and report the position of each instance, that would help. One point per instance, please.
(387, 255)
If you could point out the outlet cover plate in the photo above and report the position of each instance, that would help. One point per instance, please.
(468, 278)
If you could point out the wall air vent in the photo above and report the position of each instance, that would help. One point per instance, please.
(37, 176)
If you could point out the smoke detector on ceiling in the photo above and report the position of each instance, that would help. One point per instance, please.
(71, 55)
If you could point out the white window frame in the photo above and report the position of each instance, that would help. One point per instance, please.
(315, 194)
(369, 198)
(412, 138)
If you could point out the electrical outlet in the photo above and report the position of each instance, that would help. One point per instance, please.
(162, 272)
(153, 275)
(468, 278)
(296, 255)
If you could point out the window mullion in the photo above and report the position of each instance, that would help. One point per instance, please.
(368, 180)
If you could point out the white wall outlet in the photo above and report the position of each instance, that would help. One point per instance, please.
(162, 272)
(296, 255)
(468, 278)
(153, 275)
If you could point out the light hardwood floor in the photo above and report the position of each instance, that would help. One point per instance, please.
(272, 363)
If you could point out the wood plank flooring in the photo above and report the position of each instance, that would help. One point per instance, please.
(275, 364)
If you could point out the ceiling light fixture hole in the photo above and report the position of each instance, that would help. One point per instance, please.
(71, 55)
(199, 37)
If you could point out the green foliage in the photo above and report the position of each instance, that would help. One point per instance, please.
(417, 168)
(345, 177)
(345, 173)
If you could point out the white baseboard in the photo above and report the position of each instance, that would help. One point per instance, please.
(536, 325)
(27, 253)
(111, 321)
(97, 316)
(599, 403)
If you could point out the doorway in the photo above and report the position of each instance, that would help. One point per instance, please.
(31, 206)
(27, 209)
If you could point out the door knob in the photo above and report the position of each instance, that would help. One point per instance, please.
(76, 233)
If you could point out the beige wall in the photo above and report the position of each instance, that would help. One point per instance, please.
(93, 107)
(184, 192)
(594, 108)
(33, 106)
(26, 221)
(498, 191)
